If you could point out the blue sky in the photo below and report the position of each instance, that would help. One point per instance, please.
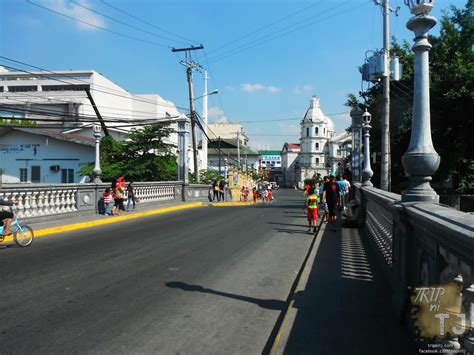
(269, 76)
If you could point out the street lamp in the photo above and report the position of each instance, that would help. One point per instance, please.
(367, 172)
(421, 160)
(208, 94)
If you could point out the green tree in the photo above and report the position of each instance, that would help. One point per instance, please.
(144, 156)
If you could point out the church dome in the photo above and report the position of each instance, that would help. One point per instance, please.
(314, 113)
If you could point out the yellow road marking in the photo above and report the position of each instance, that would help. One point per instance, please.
(111, 219)
(282, 327)
(237, 203)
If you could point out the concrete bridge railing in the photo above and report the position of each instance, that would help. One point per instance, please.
(43, 201)
(421, 245)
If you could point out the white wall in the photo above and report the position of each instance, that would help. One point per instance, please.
(17, 151)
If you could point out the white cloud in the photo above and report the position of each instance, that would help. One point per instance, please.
(80, 13)
(342, 116)
(303, 90)
(216, 115)
(251, 88)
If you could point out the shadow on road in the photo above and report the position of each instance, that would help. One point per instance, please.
(264, 303)
(290, 225)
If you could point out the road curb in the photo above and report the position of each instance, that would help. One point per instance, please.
(233, 204)
(116, 219)
(284, 331)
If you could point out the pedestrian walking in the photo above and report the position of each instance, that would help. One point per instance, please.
(270, 194)
(331, 196)
(107, 198)
(254, 195)
(222, 188)
(131, 198)
(312, 209)
(215, 190)
(342, 192)
(118, 190)
(323, 207)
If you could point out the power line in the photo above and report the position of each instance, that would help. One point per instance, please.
(124, 23)
(146, 22)
(96, 26)
(84, 118)
(263, 27)
(292, 118)
(283, 31)
(53, 100)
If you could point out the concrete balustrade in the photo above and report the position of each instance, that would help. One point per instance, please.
(42, 201)
(420, 244)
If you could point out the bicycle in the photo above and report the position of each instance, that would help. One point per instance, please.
(23, 235)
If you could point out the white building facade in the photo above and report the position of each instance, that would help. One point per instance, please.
(31, 155)
(58, 101)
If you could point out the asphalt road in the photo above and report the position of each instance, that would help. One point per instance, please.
(209, 280)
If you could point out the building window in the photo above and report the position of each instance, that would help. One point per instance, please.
(338, 152)
(1, 89)
(35, 173)
(23, 175)
(65, 87)
(317, 131)
(317, 161)
(23, 88)
(324, 131)
(67, 176)
(307, 132)
(317, 146)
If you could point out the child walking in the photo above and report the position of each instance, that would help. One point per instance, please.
(312, 208)
(255, 195)
(107, 197)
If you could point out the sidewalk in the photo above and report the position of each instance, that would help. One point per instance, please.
(342, 304)
(88, 220)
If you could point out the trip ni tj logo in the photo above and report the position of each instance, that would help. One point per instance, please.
(438, 311)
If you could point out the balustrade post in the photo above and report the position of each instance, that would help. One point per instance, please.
(421, 160)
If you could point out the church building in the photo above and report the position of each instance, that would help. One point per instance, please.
(320, 150)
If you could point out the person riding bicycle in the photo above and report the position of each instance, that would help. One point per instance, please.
(6, 215)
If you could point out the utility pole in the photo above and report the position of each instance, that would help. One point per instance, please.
(204, 118)
(219, 145)
(385, 166)
(238, 148)
(190, 65)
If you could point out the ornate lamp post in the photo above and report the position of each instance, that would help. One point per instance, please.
(367, 172)
(97, 172)
(356, 125)
(421, 160)
(183, 141)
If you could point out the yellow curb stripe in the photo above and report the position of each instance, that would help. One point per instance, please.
(224, 204)
(112, 219)
(280, 331)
